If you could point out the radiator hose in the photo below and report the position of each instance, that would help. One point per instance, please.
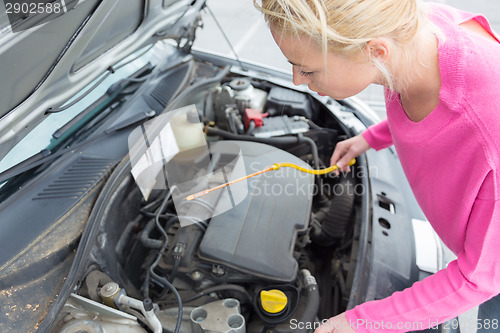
(312, 306)
(331, 223)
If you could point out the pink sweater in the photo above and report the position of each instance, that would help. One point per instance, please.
(452, 162)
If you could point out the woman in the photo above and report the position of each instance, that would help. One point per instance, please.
(441, 70)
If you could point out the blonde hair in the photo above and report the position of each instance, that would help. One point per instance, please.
(346, 26)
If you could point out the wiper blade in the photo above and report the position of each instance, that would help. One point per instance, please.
(91, 109)
(135, 119)
(24, 165)
(78, 122)
(97, 107)
(47, 155)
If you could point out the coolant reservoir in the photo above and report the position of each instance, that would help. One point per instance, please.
(246, 96)
(188, 130)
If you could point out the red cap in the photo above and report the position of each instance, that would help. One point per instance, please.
(253, 115)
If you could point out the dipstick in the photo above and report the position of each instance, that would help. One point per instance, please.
(275, 166)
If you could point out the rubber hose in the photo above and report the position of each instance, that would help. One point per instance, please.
(146, 240)
(198, 86)
(312, 305)
(221, 287)
(232, 123)
(286, 140)
(339, 214)
(251, 128)
(314, 149)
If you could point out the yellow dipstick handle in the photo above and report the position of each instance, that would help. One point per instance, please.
(275, 166)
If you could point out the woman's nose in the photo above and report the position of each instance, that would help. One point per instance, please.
(299, 79)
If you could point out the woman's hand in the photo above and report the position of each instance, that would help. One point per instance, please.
(348, 149)
(337, 324)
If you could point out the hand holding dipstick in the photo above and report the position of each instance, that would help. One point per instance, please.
(275, 166)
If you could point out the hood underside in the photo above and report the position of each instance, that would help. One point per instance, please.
(46, 65)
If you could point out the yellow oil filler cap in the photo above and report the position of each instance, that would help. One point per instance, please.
(273, 301)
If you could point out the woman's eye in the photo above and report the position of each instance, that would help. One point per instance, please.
(302, 73)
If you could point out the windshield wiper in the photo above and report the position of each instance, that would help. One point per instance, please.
(62, 134)
(97, 107)
(24, 165)
(46, 155)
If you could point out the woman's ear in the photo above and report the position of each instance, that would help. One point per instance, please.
(378, 48)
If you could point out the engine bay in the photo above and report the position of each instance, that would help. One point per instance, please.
(283, 256)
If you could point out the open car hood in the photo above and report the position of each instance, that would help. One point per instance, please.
(46, 64)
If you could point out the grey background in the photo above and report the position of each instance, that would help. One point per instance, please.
(252, 41)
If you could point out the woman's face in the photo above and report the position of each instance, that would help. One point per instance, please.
(340, 77)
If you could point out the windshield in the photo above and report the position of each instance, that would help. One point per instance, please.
(32, 41)
(41, 136)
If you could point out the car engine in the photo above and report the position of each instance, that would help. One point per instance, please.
(281, 257)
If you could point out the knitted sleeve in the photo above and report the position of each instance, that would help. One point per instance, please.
(468, 281)
(378, 136)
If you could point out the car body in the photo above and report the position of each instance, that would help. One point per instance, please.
(87, 247)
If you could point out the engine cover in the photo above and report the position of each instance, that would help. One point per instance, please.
(258, 235)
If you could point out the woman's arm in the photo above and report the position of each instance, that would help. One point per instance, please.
(468, 281)
(377, 136)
